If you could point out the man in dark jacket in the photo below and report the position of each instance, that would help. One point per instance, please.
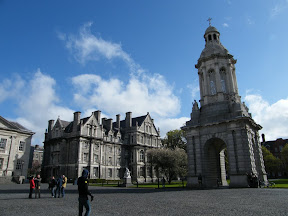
(83, 193)
(58, 186)
(37, 181)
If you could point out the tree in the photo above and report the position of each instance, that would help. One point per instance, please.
(284, 157)
(168, 162)
(35, 169)
(272, 164)
(175, 139)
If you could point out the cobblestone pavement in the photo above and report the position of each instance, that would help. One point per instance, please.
(131, 201)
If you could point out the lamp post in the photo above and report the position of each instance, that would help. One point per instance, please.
(22, 164)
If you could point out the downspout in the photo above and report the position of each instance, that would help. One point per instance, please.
(9, 155)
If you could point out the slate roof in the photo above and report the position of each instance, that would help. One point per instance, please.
(16, 126)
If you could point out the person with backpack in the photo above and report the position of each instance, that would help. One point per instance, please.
(83, 193)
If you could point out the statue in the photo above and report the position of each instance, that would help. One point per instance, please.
(127, 173)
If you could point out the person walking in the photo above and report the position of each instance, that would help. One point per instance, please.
(52, 185)
(59, 186)
(32, 186)
(163, 182)
(83, 193)
(64, 183)
(37, 182)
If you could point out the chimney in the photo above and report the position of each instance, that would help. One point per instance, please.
(50, 125)
(109, 123)
(97, 115)
(263, 138)
(76, 121)
(128, 119)
(104, 122)
(118, 121)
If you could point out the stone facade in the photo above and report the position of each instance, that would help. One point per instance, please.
(222, 125)
(15, 142)
(104, 147)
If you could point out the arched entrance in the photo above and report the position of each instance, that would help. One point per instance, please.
(214, 163)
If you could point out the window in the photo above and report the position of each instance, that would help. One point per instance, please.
(118, 161)
(96, 158)
(3, 143)
(209, 37)
(109, 173)
(223, 79)
(111, 138)
(110, 161)
(1, 163)
(214, 36)
(21, 146)
(142, 171)
(110, 149)
(85, 157)
(118, 173)
(19, 164)
(141, 158)
(119, 151)
(142, 139)
(96, 172)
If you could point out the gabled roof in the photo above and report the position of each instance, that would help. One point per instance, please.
(15, 126)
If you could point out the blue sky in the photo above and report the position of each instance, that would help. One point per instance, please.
(58, 57)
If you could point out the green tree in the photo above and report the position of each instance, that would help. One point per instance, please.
(168, 162)
(272, 164)
(284, 157)
(175, 139)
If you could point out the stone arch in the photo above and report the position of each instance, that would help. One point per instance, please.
(214, 165)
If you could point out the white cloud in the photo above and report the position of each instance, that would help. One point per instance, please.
(37, 103)
(168, 124)
(194, 90)
(225, 25)
(87, 47)
(272, 117)
(140, 95)
(279, 8)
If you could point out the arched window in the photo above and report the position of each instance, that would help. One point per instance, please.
(223, 79)
(212, 82)
(209, 37)
(214, 37)
(141, 156)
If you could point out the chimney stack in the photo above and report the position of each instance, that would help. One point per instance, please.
(50, 125)
(97, 115)
(76, 121)
(118, 121)
(128, 119)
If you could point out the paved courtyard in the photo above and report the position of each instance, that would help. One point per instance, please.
(125, 201)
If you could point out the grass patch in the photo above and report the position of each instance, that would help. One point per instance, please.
(280, 183)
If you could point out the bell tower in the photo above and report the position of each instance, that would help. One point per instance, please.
(222, 138)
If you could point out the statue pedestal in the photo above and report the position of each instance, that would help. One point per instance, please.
(127, 182)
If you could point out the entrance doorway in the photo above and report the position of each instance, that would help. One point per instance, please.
(215, 166)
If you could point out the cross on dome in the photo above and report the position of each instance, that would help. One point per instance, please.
(209, 20)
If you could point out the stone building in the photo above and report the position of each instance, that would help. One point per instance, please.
(35, 159)
(102, 146)
(274, 146)
(222, 126)
(15, 142)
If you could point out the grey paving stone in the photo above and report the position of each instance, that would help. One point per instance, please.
(126, 201)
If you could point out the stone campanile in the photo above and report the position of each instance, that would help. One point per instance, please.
(222, 138)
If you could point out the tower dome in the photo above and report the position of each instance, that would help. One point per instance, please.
(212, 43)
